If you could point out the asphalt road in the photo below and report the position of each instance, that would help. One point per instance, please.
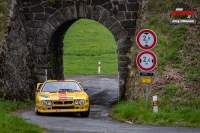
(103, 93)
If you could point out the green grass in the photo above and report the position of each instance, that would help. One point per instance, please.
(13, 124)
(136, 112)
(85, 44)
(178, 105)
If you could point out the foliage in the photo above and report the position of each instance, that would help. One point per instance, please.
(85, 44)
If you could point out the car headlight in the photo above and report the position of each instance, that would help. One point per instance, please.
(76, 102)
(44, 103)
(49, 103)
(81, 102)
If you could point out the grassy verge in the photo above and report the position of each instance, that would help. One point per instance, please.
(85, 44)
(136, 112)
(13, 124)
(178, 59)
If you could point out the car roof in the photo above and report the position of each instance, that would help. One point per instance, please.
(68, 80)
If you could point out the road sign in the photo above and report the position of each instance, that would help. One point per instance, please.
(146, 60)
(146, 80)
(146, 74)
(146, 39)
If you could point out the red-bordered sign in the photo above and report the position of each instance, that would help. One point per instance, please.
(146, 39)
(146, 60)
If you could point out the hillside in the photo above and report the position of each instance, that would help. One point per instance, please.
(177, 73)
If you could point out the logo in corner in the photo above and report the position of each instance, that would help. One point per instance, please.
(182, 14)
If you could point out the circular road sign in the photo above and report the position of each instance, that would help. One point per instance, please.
(146, 39)
(146, 60)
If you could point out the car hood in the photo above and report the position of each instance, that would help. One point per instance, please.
(62, 95)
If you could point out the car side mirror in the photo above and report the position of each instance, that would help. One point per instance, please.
(85, 89)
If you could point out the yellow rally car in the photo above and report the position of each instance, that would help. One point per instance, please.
(54, 96)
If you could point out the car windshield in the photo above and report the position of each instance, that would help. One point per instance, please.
(61, 86)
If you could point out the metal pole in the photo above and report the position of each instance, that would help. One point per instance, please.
(147, 95)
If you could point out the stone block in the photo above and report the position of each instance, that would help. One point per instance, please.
(67, 4)
(134, 15)
(97, 12)
(37, 9)
(123, 58)
(133, 6)
(108, 6)
(31, 32)
(121, 34)
(57, 4)
(89, 11)
(66, 13)
(48, 28)
(38, 50)
(58, 16)
(120, 16)
(129, 23)
(115, 2)
(123, 63)
(35, 2)
(128, 15)
(46, 4)
(123, 69)
(49, 10)
(26, 10)
(105, 15)
(124, 42)
(42, 72)
(121, 7)
(43, 34)
(41, 78)
(81, 9)
(53, 22)
(73, 12)
(40, 42)
(111, 21)
(33, 24)
(28, 16)
(115, 28)
(40, 16)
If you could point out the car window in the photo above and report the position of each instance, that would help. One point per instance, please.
(61, 86)
(50, 87)
(73, 86)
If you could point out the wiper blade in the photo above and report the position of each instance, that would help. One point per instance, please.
(66, 90)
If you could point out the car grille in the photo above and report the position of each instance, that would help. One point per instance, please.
(62, 102)
(66, 107)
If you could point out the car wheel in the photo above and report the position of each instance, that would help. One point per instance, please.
(37, 112)
(86, 113)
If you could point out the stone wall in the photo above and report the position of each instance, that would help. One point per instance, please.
(37, 30)
(17, 76)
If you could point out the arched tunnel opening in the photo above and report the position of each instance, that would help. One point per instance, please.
(105, 83)
(56, 51)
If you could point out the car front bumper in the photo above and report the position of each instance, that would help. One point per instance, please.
(57, 109)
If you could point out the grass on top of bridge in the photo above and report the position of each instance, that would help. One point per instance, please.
(85, 44)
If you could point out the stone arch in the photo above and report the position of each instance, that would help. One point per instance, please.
(48, 45)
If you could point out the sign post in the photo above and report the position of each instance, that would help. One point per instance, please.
(146, 40)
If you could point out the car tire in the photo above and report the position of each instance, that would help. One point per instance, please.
(37, 112)
(86, 113)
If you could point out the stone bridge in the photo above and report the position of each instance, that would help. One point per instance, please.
(45, 23)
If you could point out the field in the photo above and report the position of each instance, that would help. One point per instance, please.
(85, 44)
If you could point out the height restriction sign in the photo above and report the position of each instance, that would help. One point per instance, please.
(146, 39)
(146, 60)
